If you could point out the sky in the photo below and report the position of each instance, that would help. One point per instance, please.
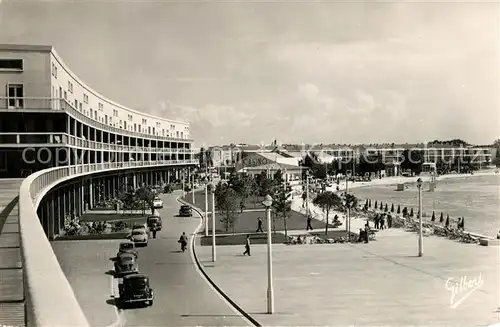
(296, 71)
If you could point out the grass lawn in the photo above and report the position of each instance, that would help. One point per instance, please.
(246, 222)
(200, 200)
(240, 239)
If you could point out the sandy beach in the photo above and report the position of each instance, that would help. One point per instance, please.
(359, 222)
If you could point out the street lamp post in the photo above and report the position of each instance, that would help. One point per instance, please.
(268, 201)
(420, 212)
(214, 254)
(307, 193)
(192, 188)
(183, 186)
(348, 215)
(206, 208)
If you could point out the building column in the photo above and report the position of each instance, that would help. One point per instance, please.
(73, 199)
(51, 216)
(60, 210)
(134, 180)
(108, 183)
(82, 196)
(91, 194)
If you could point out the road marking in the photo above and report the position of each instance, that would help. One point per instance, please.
(191, 252)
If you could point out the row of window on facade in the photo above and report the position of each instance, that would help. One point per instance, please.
(123, 125)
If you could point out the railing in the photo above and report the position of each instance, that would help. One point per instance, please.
(46, 104)
(45, 282)
(53, 139)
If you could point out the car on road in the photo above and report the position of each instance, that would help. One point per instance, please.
(154, 223)
(143, 227)
(126, 248)
(125, 265)
(139, 237)
(185, 211)
(135, 289)
(157, 203)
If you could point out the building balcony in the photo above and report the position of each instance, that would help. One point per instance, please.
(61, 105)
(17, 140)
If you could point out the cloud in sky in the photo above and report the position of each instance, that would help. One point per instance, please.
(298, 72)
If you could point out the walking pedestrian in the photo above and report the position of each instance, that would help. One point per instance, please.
(259, 226)
(389, 221)
(367, 232)
(382, 222)
(309, 220)
(247, 246)
(154, 232)
(377, 221)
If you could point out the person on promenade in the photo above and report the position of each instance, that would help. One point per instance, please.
(247, 246)
(382, 221)
(309, 220)
(304, 198)
(361, 235)
(377, 221)
(367, 232)
(242, 206)
(459, 223)
(462, 224)
(389, 221)
(498, 235)
(259, 226)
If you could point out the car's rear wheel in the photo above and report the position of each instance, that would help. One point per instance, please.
(151, 303)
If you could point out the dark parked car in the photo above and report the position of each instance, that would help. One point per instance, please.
(135, 289)
(185, 211)
(126, 265)
(126, 247)
(154, 223)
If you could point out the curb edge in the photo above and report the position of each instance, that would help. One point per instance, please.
(207, 277)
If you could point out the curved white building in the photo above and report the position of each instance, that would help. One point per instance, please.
(50, 118)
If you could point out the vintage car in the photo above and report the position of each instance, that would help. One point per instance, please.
(125, 265)
(185, 211)
(139, 237)
(157, 203)
(154, 223)
(125, 248)
(135, 289)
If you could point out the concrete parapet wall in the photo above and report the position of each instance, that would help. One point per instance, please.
(45, 282)
(50, 300)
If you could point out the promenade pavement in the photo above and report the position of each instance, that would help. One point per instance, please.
(381, 283)
(12, 306)
(182, 296)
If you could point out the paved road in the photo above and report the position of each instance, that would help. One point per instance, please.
(182, 296)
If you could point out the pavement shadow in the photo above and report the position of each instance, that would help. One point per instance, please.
(110, 273)
(176, 251)
(112, 301)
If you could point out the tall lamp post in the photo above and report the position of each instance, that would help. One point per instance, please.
(212, 190)
(206, 207)
(268, 201)
(183, 186)
(420, 236)
(192, 188)
(348, 214)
